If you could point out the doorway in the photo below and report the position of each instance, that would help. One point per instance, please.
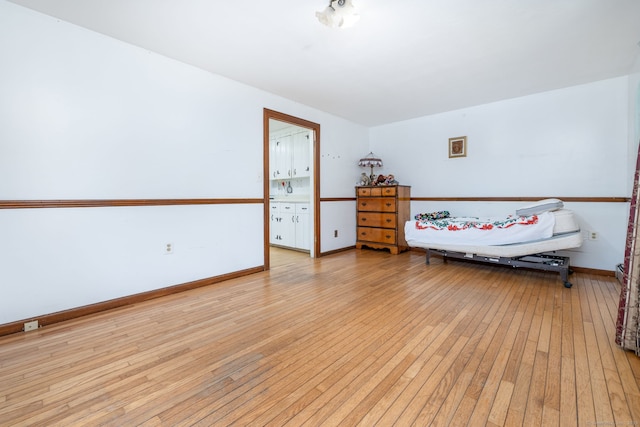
(291, 181)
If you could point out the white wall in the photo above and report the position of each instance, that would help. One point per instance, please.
(83, 116)
(565, 143)
(339, 217)
(55, 259)
(340, 163)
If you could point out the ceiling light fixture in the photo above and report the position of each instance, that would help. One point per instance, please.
(339, 14)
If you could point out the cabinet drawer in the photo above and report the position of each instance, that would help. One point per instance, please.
(378, 235)
(382, 204)
(373, 219)
(287, 208)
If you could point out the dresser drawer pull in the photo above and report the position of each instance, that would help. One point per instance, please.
(364, 219)
(388, 204)
(389, 220)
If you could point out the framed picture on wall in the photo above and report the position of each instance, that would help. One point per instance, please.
(458, 147)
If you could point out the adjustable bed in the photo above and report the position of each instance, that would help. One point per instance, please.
(527, 239)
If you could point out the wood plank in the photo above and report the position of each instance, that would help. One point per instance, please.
(584, 394)
(360, 337)
(602, 404)
(568, 410)
(601, 314)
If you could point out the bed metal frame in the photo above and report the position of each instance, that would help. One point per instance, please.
(546, 262)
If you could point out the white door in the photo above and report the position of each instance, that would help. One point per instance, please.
(274, 223)
(288, 225)
(301, 154)
(303, 226)
(282, 155)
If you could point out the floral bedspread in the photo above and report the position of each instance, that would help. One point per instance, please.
(475, 231)
(457, 224)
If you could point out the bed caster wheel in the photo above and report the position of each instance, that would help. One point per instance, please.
(567, 285)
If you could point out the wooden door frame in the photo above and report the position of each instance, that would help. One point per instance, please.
(275, 115)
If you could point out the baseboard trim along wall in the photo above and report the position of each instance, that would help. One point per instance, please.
(49, 319)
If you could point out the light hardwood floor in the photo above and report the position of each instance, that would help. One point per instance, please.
(356, 338)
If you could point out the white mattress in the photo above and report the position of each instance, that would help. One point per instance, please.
(565, 222)
(566, 235)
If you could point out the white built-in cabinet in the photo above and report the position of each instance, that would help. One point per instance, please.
(289, 225)
(290, 173)
(290, 156)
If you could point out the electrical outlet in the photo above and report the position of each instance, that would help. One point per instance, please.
(593, 235)
(168, 250)
(31, 326)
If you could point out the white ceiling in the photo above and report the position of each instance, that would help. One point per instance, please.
(404, 59)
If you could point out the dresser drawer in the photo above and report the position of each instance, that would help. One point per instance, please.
(363, 191)
(378, 235)
(388, 191)
(377, 191)
(374, 219)
(380, 204)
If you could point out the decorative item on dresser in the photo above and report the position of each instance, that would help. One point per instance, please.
(369, 161)
(381, 214)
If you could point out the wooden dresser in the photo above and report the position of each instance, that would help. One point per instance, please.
(382, 212)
